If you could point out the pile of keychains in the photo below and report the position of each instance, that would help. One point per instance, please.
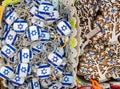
(35, 45)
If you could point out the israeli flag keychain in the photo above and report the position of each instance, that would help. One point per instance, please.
(10, 17)
(35, 84)
(17, 81)
(8, 51)
(7, 72)
(25, 55)
(20, 26)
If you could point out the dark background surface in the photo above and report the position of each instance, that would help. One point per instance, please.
(1, 2)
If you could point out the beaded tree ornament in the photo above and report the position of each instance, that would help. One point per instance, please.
(99, 40)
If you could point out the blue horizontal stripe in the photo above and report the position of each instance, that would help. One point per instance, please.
(37, 2)
(67, 24)
(31, 54)
(6, 28)
(44, 66)
(49, 61)
(28, 70)
(59, 69)
(44, 39)
(32, 84)
(6, 34)
(5, 55)
(11, 47)
(45, 3)
(44, 76)
(46, 13)
(14, 40)
(20, 21)
(58, 55)
(21, 31)
(9, 68)
(68, 74)
(40, 17)
(69, 84)
(60, 31)
(39, 31)
(4, 77)
(28, 33)
(20, 55)
(9, 13)
(44, 31)
(18, 84)
(53, 19)
(36, 50)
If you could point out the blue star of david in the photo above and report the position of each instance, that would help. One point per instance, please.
(56, 71)
(23, 69)
(39, 46)
(17, 78)
(11, 17)
(43, 35)
(6, 72)
(46, 8)
(54, 59)
(113, 10)
(44, 71)
(111, 61)
(36, 84)
(64, 28)
(25, 55)
(8, 51)
(20, 26)
(33, 33)
(66, 79)
(10, 37)
(55, 87)
(52, 14)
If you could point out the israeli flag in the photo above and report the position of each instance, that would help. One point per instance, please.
(6, 72)
(23, 70)
(58, 71)
(25, 55)
(17, 81)
(56, 86)
(35, 84)
(6, 27)
(43, 71)
(64, 28)
(8, 51)
(68, 79)
(34, 10)
(46, 8)
(52, 17)
(10, 17)
(45, 36)
(34, 33)
(39, 17)
(37, 22)
(20, 26)
(10, 37)
(55, 59)
(38, 48)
